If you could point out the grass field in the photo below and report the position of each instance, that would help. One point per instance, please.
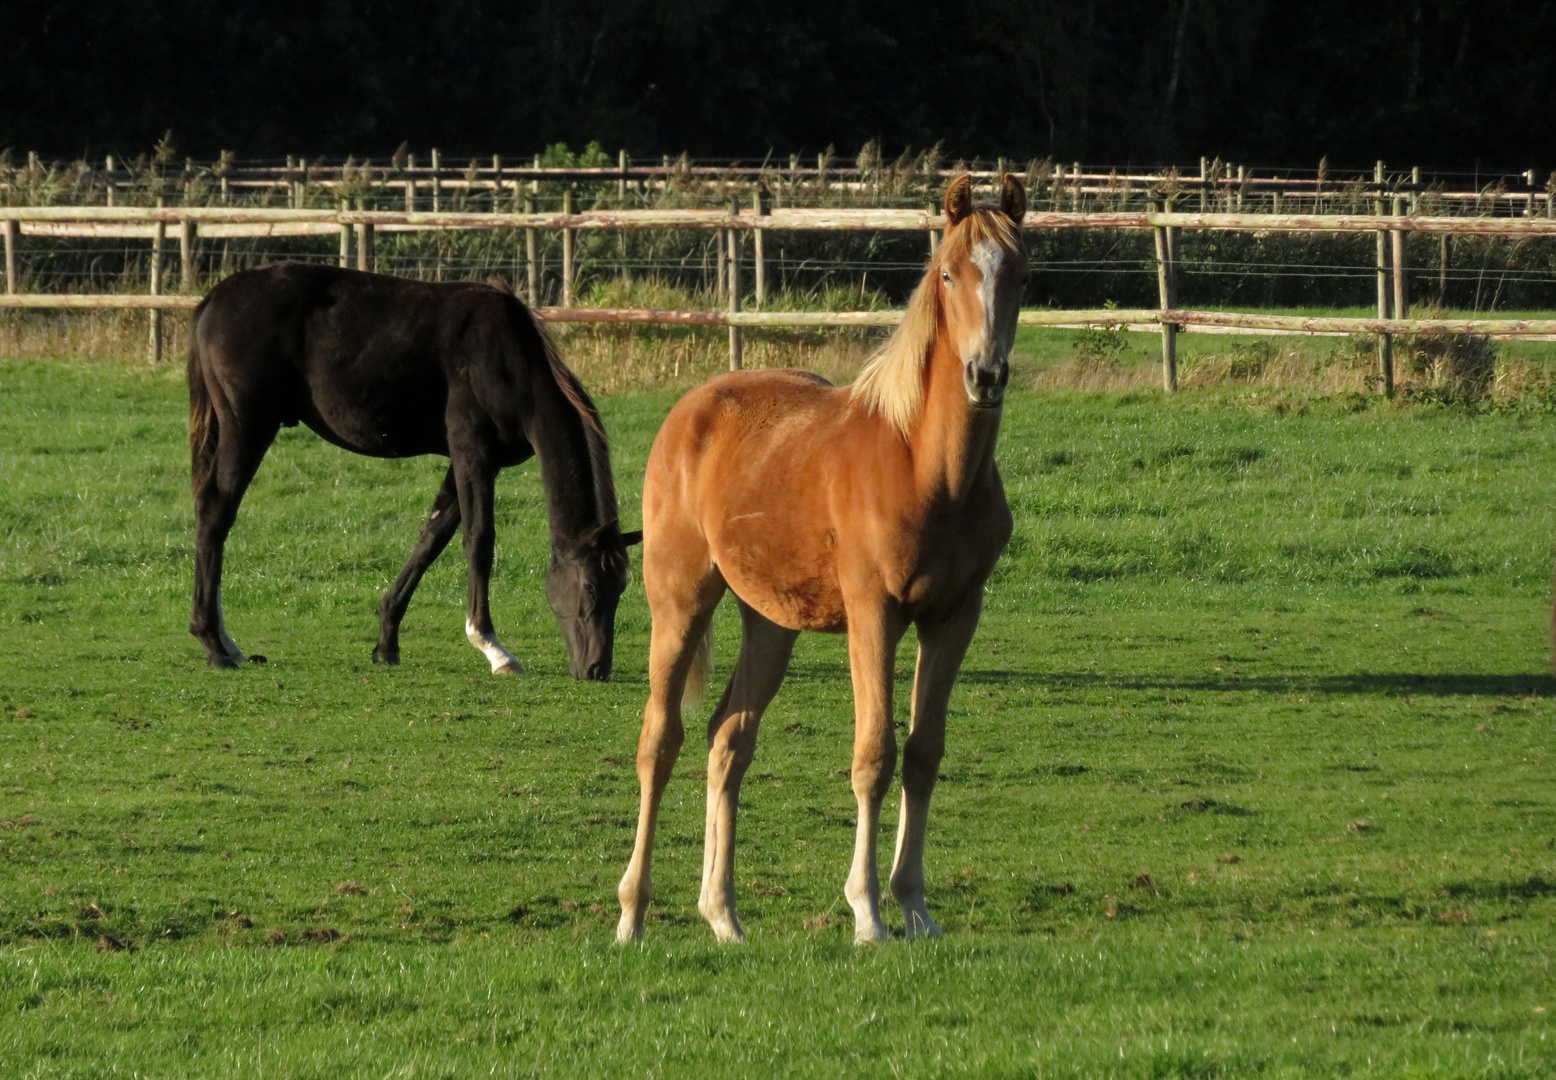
(1249, 772)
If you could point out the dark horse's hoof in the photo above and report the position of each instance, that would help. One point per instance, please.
(259, 658)
(222, 662)
(386, 656)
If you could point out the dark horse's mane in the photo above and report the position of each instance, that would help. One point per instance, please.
(594, 430)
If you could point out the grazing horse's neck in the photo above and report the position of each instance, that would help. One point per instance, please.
(953, 443)
(577, 494)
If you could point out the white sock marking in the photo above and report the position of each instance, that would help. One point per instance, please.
(500, 658)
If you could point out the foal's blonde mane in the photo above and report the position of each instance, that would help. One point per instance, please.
(892, 382)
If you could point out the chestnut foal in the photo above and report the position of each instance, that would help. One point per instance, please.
(841, 509)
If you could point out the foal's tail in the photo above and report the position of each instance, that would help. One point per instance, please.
(702, 668)
(203, 430)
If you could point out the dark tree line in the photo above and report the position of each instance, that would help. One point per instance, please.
(1443, 83)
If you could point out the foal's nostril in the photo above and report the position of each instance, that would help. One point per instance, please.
(985, 377)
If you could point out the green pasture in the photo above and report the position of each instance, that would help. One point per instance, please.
(1249, 771)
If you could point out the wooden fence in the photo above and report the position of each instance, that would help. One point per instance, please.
(357, 229)
(436, 181)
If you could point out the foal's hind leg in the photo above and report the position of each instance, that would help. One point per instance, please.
(436, 532)
(476, 479)
(941, 647)
(765, 648)
(239, 451)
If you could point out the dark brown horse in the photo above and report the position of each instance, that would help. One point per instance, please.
(394, 368)
(860, 509)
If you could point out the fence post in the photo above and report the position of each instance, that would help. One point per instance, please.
(735, 358)
(1204, 172)
(934, 234)
(719, 291)
(186, 254)
(1075, 196)
(437, 184)
(1165, 282)
(567, 251)
(1385, 341)
(1415, 190)
(158, 233)
(364, 240)
(345, 237)
(108, 174)
(1442, 270)
(529, 255)
(1401, 301)
(758, 248)
(496, 180)
(10, 228)
(621, 185)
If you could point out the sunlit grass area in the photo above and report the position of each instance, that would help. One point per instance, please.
(1249, 768)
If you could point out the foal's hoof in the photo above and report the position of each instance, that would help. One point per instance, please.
(628, 930)
(382, 655)
(510, 666)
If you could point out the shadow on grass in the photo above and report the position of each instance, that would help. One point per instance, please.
(1395, 684)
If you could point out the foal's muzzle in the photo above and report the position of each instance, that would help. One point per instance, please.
(985, 381)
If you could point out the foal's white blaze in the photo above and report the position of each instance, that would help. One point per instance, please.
(502, 661)
(987, 256)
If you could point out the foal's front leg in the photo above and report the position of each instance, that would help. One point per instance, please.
(941, 646)
(436, 532)
(476, 480)
(765, 648)
(872, 651)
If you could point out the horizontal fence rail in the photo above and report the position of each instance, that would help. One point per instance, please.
(357, 227)
(1101, 318)
(412, 178)
(100, 220)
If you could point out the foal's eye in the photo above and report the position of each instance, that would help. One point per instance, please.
(945, 276)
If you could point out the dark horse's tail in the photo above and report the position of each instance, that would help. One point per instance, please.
(203, 430)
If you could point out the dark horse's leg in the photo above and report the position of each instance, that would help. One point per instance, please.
(239, 450)
(476, 478)
(436, 532)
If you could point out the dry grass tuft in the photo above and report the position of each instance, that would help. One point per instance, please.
(619, 359)
(93, 336)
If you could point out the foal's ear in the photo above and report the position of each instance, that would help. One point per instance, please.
(958, 200)
(1013, 200)
(633, 537)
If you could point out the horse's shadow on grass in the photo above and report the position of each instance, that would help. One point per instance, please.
(1389, 684)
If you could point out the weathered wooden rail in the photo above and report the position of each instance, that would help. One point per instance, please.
(357, 227)
(413, 178)
(269, 221)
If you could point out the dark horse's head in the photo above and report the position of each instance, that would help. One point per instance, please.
(583, 586)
